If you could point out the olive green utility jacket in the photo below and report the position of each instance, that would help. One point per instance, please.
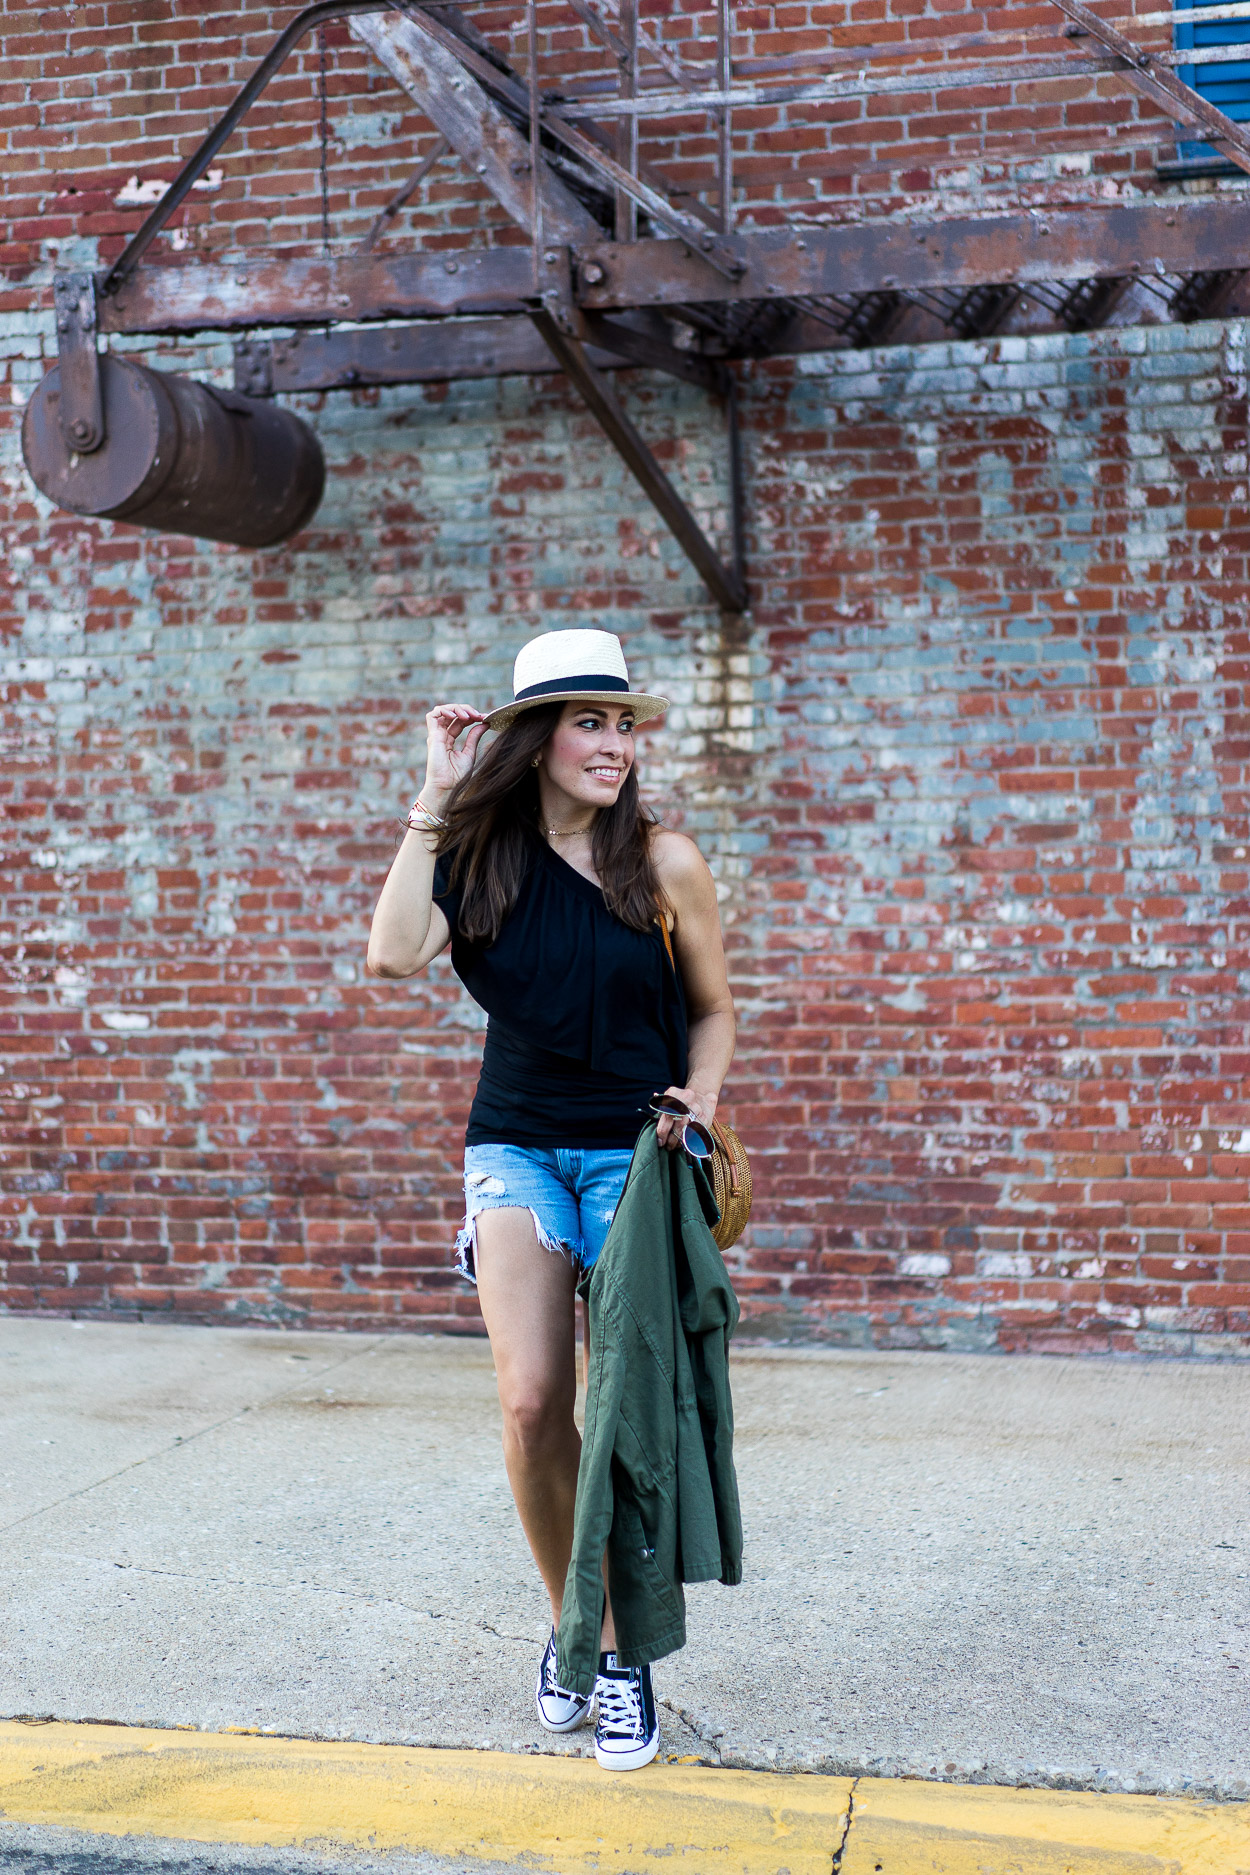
(656, 1487)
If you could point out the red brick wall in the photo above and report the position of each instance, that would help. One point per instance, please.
(94, 93)
(971, 775)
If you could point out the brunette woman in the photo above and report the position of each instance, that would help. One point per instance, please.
(555, 889)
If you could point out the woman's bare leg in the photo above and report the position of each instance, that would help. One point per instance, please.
(527, 1295)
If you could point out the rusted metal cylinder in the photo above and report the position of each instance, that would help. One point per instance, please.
(179, 456)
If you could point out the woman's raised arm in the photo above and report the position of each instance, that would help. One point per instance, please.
(408, 929)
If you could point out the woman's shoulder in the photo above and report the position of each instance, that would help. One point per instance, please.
(678, 862)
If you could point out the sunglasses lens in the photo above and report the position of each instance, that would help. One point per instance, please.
(698, 1141)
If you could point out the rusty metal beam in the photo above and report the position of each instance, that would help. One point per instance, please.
(724, 583)
(737, 482)
(642, 344)
(435, 352)
(627, 129)
(604, 31)
(645, 186)
(957, 251)
(864, 83)
(1148, 74)
(386, 215)
(724, 128)
(506, 85)
(445, 92)
(1195, 236)
(265, 291)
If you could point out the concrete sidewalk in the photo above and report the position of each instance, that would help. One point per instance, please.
(1017, 1571)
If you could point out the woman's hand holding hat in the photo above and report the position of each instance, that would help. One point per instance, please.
(445, 764)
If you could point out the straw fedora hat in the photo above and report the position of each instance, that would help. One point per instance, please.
(560, 667)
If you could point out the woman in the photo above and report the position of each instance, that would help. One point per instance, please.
(560, 897)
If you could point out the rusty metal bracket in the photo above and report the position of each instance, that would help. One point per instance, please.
(640, 342)
(253, 367)
(554, 289)
(82, 401)
(559, 321)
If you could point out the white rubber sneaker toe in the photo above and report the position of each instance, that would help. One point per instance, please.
(627, 1730)
(558, 1710)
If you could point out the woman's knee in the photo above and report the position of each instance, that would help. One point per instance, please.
(537, 1413)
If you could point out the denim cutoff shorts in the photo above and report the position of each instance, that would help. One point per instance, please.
(570, 1192)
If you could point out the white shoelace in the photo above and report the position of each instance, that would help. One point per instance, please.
(620, 1707)
(550, 1682)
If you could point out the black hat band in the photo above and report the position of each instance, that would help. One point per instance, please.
(575, 686)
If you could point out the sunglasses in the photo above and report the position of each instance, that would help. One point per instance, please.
(693, 1137)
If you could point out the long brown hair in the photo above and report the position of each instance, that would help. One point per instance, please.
(492, 821)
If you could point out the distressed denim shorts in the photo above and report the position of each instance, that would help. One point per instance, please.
(570, 1192)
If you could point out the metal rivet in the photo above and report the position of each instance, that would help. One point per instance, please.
(451, 266)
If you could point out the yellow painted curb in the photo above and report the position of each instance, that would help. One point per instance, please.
(903, 1827)
(558, 1813)
(566, 1815)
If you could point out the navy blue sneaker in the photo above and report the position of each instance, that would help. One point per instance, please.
(558, 1710)
(627, 1731)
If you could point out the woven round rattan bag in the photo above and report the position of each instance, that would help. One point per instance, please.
(731, 1185)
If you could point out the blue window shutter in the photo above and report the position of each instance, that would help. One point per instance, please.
(1225, 86)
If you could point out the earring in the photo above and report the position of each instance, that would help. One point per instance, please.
(537, 759)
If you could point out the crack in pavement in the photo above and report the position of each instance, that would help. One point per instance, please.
(522, 1640)
(180, 1441)
(840, 1851)
(705, 1737)
(368, 1600)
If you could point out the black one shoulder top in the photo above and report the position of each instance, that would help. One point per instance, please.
(586, 1017)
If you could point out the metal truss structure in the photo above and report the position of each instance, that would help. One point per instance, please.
(619, 268)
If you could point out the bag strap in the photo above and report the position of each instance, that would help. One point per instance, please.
(731, 1157)
(661, 918)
